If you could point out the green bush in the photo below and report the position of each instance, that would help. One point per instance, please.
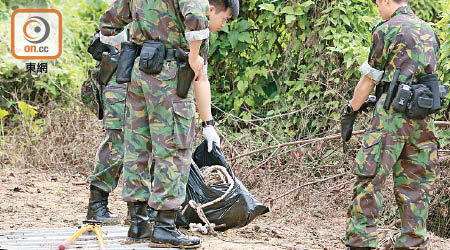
(65, 75)
(278, 57)
(282, 56)
(444, 32)
(429, 11)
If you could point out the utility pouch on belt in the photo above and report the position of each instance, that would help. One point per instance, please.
(421, 102)
(153, 54)
(438, 91)
(185, 73)
(108, 66)
(128, 53)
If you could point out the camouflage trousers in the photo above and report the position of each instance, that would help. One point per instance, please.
(408, 148)
(159, 128)
(109, 161)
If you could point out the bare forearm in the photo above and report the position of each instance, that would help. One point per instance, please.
(362, 91)
(194, 47)
(202, 92)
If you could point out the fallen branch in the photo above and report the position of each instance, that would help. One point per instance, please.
(328, 138)
(442, 124)
(303, 185)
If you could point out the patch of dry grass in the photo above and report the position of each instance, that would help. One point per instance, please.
(65, 143)
(70, 137)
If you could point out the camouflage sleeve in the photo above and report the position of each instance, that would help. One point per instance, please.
(374, 66)
(195, 19)
(376, 55)
(115, 18)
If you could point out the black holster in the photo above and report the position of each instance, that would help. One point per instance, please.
(108, 66)
(393, 86)
(128, 53)
(185, 74)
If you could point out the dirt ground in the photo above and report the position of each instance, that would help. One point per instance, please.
(35, 199)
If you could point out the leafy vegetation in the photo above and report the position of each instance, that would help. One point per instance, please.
(64, 74)
(278, 57)
(289, 55)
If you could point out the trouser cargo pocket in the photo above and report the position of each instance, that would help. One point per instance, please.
(368, 158)
(114, 106)
(184, 125)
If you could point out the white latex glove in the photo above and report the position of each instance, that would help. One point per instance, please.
(211, 136)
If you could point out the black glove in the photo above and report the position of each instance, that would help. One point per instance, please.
(349, 117)
(347, 120)
(96, 47)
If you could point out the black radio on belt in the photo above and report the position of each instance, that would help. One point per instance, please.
(402, 98)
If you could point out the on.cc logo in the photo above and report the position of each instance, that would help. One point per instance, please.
(36, 29)
(36, 34)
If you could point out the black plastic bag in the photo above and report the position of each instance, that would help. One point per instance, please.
(237, 209)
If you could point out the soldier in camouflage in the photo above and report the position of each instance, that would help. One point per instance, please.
(159, 125)
(406, 146)
(109, 157)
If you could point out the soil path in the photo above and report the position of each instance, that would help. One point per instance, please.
(32, 199)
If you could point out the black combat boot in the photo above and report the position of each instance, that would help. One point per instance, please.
(151, 214)
(140, 226)
(98, 207)
(166, 234)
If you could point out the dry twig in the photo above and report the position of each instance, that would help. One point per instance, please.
(303, 185)
(328, 138)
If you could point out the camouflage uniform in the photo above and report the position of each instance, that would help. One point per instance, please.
(109, 156)
(394, 142)
(159, 125)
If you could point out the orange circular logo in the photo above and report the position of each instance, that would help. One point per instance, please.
(36, 29)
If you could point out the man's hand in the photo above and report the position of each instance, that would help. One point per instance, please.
(210, 134)
(196, 63)
(96, 47)
(347, 120)
(349, 117)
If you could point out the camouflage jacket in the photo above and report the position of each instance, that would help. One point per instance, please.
(173, 22)
(113, 100)
(406, 42)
